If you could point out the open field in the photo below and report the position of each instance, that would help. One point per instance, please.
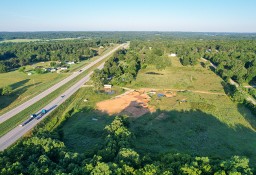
(25, 87)
(204, 124)
(20, 40)
(176, 77)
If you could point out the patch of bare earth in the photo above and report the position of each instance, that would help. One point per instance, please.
(132, 103)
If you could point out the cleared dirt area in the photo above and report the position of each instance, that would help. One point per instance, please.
(132, 103)
(135, 103)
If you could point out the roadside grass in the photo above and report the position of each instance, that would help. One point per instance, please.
(81, 125)
(26, 87)
(23, 115)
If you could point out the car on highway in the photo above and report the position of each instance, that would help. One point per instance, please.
(80, 70)
(33, 115)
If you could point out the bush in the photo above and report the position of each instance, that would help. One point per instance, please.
(7, 90)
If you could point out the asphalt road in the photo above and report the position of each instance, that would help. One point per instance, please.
(28, 103)
(12, 136)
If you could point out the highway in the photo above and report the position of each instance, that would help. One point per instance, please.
(28, 103)
(12, 136)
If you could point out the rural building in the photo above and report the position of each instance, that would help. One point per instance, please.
(63, 68)
(53, 70)
(172, 55)
(71, 62)
(107, 86)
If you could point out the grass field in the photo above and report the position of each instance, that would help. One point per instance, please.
(26, 87)
(20, 40)
(205, 125)
(190, 78)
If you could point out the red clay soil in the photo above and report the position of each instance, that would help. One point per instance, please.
(134, 104)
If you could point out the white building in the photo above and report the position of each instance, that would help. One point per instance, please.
(172, 55)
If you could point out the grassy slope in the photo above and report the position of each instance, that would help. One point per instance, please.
(205, 125)
(26, 87)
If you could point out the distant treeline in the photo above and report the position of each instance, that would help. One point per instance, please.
(122, 35)
(15, 55)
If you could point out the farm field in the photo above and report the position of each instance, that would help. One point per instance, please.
(27, 86)
(197, 123)
(20, 40)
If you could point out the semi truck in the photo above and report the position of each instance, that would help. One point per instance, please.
(32, 116)
(40, 114)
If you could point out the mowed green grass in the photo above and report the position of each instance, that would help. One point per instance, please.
(204, 125)
(27, 86)
(179, 77)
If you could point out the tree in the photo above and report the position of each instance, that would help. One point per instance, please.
(98, 79)
(22, 69)
(129, 157)
(2, 68)
(53, 64)
(101, 169)
(7, 90)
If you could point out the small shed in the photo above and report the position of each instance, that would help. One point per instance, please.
(71, 62)
(172, 55)
(107, 86)
(63, 68)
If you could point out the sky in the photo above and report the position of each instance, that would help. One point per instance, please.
(128, 15)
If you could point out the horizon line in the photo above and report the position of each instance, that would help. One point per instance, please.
(20, 31)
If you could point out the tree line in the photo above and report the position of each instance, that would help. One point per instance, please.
(44, 153)
(120, 69)
(21, 54)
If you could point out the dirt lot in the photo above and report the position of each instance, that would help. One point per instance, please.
(132, 103)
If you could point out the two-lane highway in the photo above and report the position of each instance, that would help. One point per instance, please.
(12, 136)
